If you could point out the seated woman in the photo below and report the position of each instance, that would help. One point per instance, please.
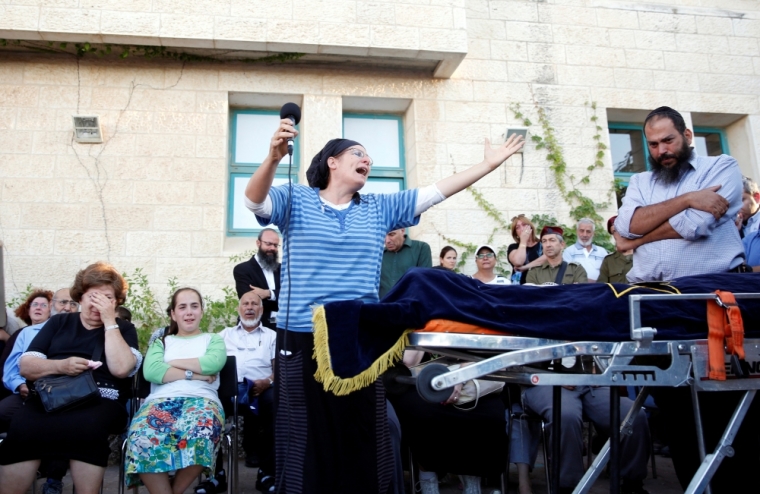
(66, 345)
(448, 258)
(526, 252)
(179, 427)
(442, 438)
(485, 260)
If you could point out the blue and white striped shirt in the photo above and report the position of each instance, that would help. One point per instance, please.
(708, 245)
(332, 255)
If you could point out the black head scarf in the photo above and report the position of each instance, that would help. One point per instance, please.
(318, 173)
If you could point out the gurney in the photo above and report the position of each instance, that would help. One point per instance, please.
(663, 323)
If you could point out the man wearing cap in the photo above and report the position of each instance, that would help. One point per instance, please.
(400, 255)
(555, 269)
(584, 252)
(616, 265)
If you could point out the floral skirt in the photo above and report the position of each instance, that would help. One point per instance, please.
(169, 434)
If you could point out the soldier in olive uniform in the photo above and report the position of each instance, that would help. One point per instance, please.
(616, 265)
(568, 273)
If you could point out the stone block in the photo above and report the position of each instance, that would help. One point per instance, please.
(89, 191)
(18, 96)
(443, 40)
(124, 74)
(50, 73)
(509, 50)
(196, 169)
(8, 120)
(634, 98)
(82, 21)
(167, 193)
(36, 119)
(524, 200)
(566, 14)
(581, 35)
(480, 49)
(191, 272)
(196, 7)
(644, 59)
(375, 13)
(513, 10)
(195, 27)
(181, 218)
(481, 70)
(142, 24)
(656, 21)
(89, 243)
(21, 190)
(653, 40)
(729, 83)
(19, 18)
(622, 38)
(64, 97)
(300, 33)
(72, 166)
(718, 102)
(216, 124)
(422, 16)
(743, 46)
(511, 91)
(546, 53)
(262, 9)
(475, 112)
(696, 43)
(16, 141)
(165, 145)
(119, 144)
(49, 142)
(719, 26)
(210, 193)
(470, 221)
(445, 89)
(746, 27)
(595, 55)
(122, 217)
(109, 98)
(728, 64)
(158, 244)
(10, 214)
(213, 218)
(688, 62)
(351, 35)
(26, 241)
(206, 244)
(517, 175)
(634, 78)
(178, 123)
(486, 29)
(575, 75)
(616, 18)
(162, 100)
(211, 146)
(211, 102)
(478, 9)
(528, 31)
(130, 6)
(462, 133)
(557, 95)
(465, 153)
(531, 72)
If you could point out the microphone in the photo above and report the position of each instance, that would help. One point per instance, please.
(293, 112)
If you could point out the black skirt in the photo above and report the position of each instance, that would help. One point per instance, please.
(80, 434)
(326, 443)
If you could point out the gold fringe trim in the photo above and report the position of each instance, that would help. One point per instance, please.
(340, 386)
(668, 289)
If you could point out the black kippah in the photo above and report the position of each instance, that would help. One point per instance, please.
(318, 173)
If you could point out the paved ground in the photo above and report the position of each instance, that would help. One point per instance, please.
(665, 483)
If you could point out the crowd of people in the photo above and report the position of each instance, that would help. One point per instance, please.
(689, 215)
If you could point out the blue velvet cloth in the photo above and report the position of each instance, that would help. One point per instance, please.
(360, 332)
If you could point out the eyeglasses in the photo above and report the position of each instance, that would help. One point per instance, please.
(42, 305)
(361, 155)
(269, 244)
(490, 255)
(64, 303)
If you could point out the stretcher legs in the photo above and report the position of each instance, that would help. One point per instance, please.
(700, 432)
(555, 437)
(711, 462)
(614, 439)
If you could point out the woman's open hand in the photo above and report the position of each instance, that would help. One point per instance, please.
(498, 155)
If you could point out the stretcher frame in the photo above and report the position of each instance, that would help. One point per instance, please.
(510, 359)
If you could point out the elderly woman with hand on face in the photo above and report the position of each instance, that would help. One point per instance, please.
(179, 427)
(334, 239)
(66, 345)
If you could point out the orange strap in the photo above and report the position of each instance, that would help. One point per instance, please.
(726, 333)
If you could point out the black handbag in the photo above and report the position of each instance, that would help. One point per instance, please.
(62, 392)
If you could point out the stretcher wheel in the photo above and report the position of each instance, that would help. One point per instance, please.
(425, 379)
(396, 379)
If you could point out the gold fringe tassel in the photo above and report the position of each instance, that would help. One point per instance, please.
(340, 386)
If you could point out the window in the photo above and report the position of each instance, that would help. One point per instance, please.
(383, 138)
(251, 131)
(630, 155)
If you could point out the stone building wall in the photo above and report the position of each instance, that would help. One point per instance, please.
(154, 194)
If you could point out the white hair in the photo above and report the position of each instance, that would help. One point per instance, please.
(588, 221)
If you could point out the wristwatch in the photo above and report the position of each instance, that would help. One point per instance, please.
(189, 375)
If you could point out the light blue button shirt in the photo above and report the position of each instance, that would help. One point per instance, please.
(708, 245)
(591, 263)
(12, 379)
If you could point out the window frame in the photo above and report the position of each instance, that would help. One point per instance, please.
(715, 130)
(383, 173)
(235, 169)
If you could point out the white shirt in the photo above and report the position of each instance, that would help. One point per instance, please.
(254, 350)
(591, 260)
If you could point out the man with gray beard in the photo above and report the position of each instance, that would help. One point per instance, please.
(261, 273)
(584, 252)
(253, 346)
